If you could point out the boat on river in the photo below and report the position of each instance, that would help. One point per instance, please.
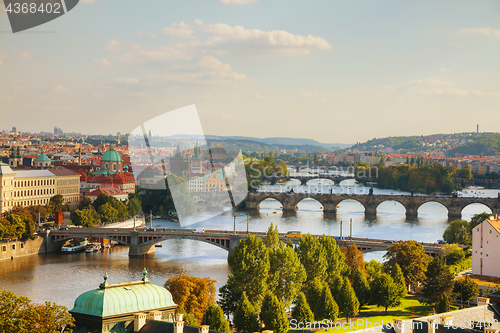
(75, 247)
(92, 248)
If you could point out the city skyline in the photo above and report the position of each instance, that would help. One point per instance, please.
(354, 71)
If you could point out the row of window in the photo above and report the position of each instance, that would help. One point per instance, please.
(34, 192)
(13, 247)
(68, 182)
(68, 190)
(31, 183)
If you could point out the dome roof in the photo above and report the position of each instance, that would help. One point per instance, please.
(111, 155)
(123, 298)
(42, 158)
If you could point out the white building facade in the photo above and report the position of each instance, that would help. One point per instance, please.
(486, 248)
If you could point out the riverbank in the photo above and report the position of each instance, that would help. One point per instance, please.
(13, 249)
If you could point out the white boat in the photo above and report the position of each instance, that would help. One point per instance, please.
(92, 248)
(75, 247)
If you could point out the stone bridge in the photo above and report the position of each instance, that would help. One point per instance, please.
(142, 242)
(330, 202)
(304, 179)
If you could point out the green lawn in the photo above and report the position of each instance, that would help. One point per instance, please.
(375, 315)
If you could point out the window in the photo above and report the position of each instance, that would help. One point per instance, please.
(22, 246)
(4, 248)
(13, 246)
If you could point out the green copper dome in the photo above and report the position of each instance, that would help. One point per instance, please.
(42, 158)
(123, 298)
(111, 155)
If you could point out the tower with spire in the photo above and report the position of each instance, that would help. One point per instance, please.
(179, 164)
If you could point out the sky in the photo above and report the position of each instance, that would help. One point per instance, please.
(333, 71)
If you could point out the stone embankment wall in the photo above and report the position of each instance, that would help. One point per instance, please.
(16, 248)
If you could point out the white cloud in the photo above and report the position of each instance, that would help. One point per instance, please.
(237, 2)
(24, 55)
(129, 80)
(431, 87)
(60, 89)
(481, 94)
(223, 32)
(179, 29)
(198, 22)
(102, 62)
(489, 32)
(114, 46)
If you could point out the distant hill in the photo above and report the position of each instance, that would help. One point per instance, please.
(481, 144)
(283, 142)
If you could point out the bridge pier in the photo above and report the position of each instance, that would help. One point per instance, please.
(455, 212)
(136, 249)
(411, 212)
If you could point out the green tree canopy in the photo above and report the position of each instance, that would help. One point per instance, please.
(399, 280)
(286, 275)
(349, 304)
(312, 254)
(249, 264)
(465, 289)
(214, 317)
(439, 281)
(361, 287)
(384, 292)
(313, 297)
(273, 314)
(245, 317)
(457, 232)
(444, 304)
(477, 219)
(329, 308)
(411, 258)
(301, 311)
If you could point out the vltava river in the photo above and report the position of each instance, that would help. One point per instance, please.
(61, 278)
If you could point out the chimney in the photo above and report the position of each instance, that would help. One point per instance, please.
(155, 315)
(178, 323)
(203, 329)
(139, 321)
(431, 325)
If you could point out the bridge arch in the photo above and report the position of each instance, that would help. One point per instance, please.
(320, 181)
(351, 200)
(434, 207)
(223, 244)
(306, 199)
(474, 208)
(269, 200)
(384, 205)
(122, 240)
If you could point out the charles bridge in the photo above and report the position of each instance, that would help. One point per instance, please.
(370, 202)
(305, 178)
(141, 242)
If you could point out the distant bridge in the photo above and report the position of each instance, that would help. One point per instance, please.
(306, 178)
(330, 202)
(142, 242)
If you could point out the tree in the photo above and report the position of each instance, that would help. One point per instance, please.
(272, 238)
(361, 287)
(439, 281)
(214, 317)
(384, 292)
(121, 209)
(457, 232)
(245, 318)
(452, 254)
(108, 213)
(286, 274)
(273, 314)
(249, 264)
(313, 296)
(192, 293)
(444, 304)
(349, 304)
(477, 219)
(86, 217)
(101, 200)
(354, 258)
(301, 311)
(134, 206)
(85, 203)
(399, 280)
(411, 257)
(17, 314)
(56, 203)
(373, 268)
(312, 255)
(329, 308)
(336, 261)
(465, 289)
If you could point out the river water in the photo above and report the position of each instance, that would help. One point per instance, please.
(61, 278)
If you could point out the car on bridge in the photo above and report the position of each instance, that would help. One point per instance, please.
(293, 234)
(388, 242)
(199, 230)
(441, 242)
